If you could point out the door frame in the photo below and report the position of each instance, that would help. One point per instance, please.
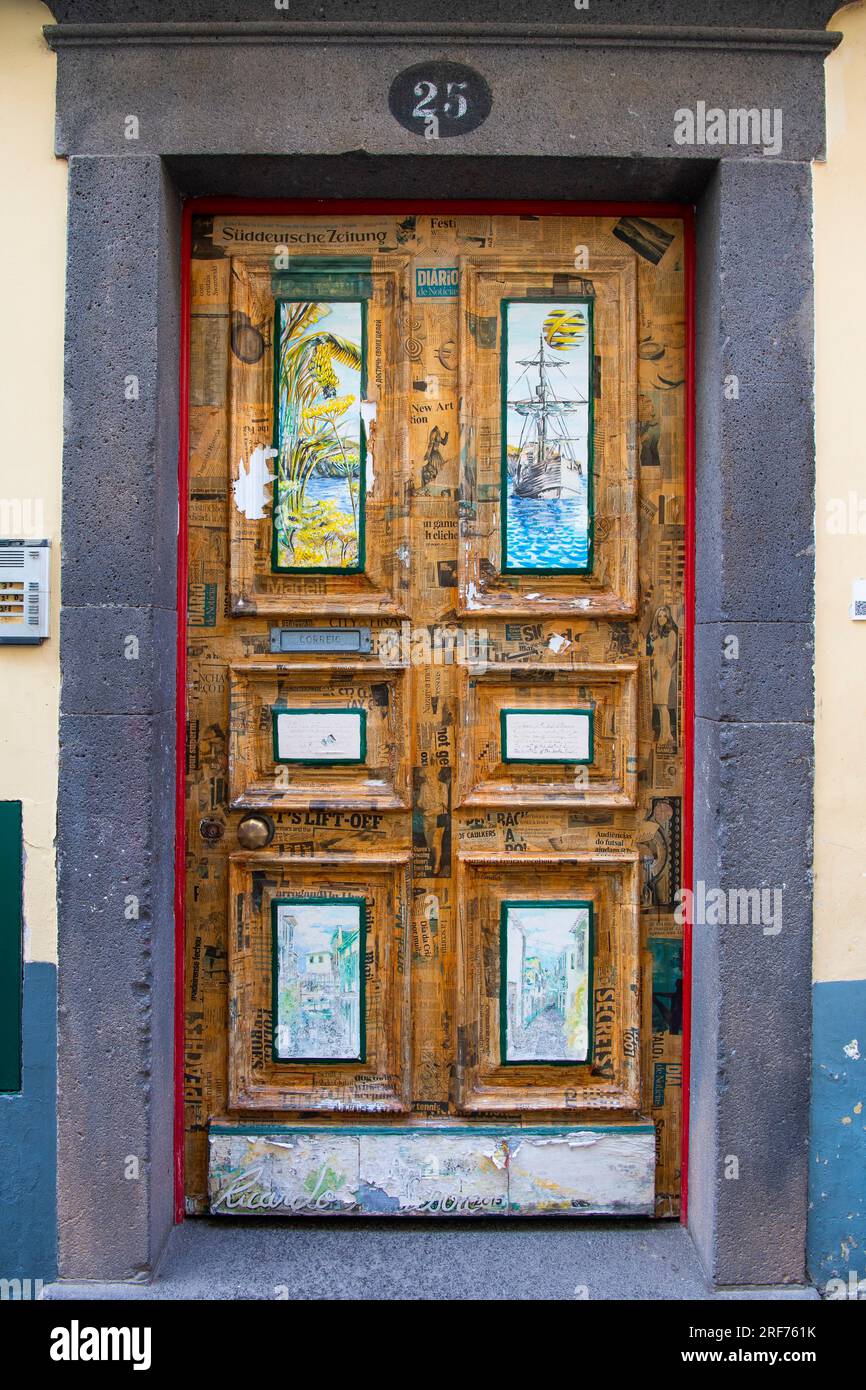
(446, 207)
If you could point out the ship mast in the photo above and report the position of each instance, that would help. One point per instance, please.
(542, 396)
(544, 403)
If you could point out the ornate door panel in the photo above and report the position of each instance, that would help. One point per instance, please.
(435, 728)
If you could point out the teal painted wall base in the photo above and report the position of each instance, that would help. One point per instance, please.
(837, 1179)
(28, 1147)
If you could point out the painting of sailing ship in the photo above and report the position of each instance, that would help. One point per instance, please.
(546, 981)
(319, 487)
(318, 981)
(547, 416)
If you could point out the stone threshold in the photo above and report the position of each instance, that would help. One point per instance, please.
(398, 1259)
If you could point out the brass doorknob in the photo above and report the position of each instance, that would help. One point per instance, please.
(255, 832)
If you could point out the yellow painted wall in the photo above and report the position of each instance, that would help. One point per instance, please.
(32, 251)
(32, 240)
(840, 662)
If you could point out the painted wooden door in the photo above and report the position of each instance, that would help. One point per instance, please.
(435, 721)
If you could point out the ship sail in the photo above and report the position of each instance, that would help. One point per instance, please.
(546, 465)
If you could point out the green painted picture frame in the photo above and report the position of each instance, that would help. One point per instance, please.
(277, 710)
(332, 297)
(572, 709)
(578, 903)
(587, 302)
(320, 901)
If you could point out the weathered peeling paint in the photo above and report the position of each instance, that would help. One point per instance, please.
(837, 1205)
(433, 1172)
(290, 1175)
(583, 1172)
(438, 1174)
(368, 418)
(252, 480)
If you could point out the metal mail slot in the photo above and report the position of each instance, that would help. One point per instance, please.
(321, 639)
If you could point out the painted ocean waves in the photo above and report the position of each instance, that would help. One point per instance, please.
(547, 534)
(547, 414)
(319, 491)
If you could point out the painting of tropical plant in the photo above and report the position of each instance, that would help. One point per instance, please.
(319, 500)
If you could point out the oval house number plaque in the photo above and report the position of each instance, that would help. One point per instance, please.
(440, 99)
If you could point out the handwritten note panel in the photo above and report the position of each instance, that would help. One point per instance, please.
(547, 736)
(319, 735)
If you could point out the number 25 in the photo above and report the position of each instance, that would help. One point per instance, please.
(455, 104)
(459, 100)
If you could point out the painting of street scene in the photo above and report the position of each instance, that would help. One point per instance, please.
(318, 994)
(319, 488)
(547, 428)
(547, 959)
